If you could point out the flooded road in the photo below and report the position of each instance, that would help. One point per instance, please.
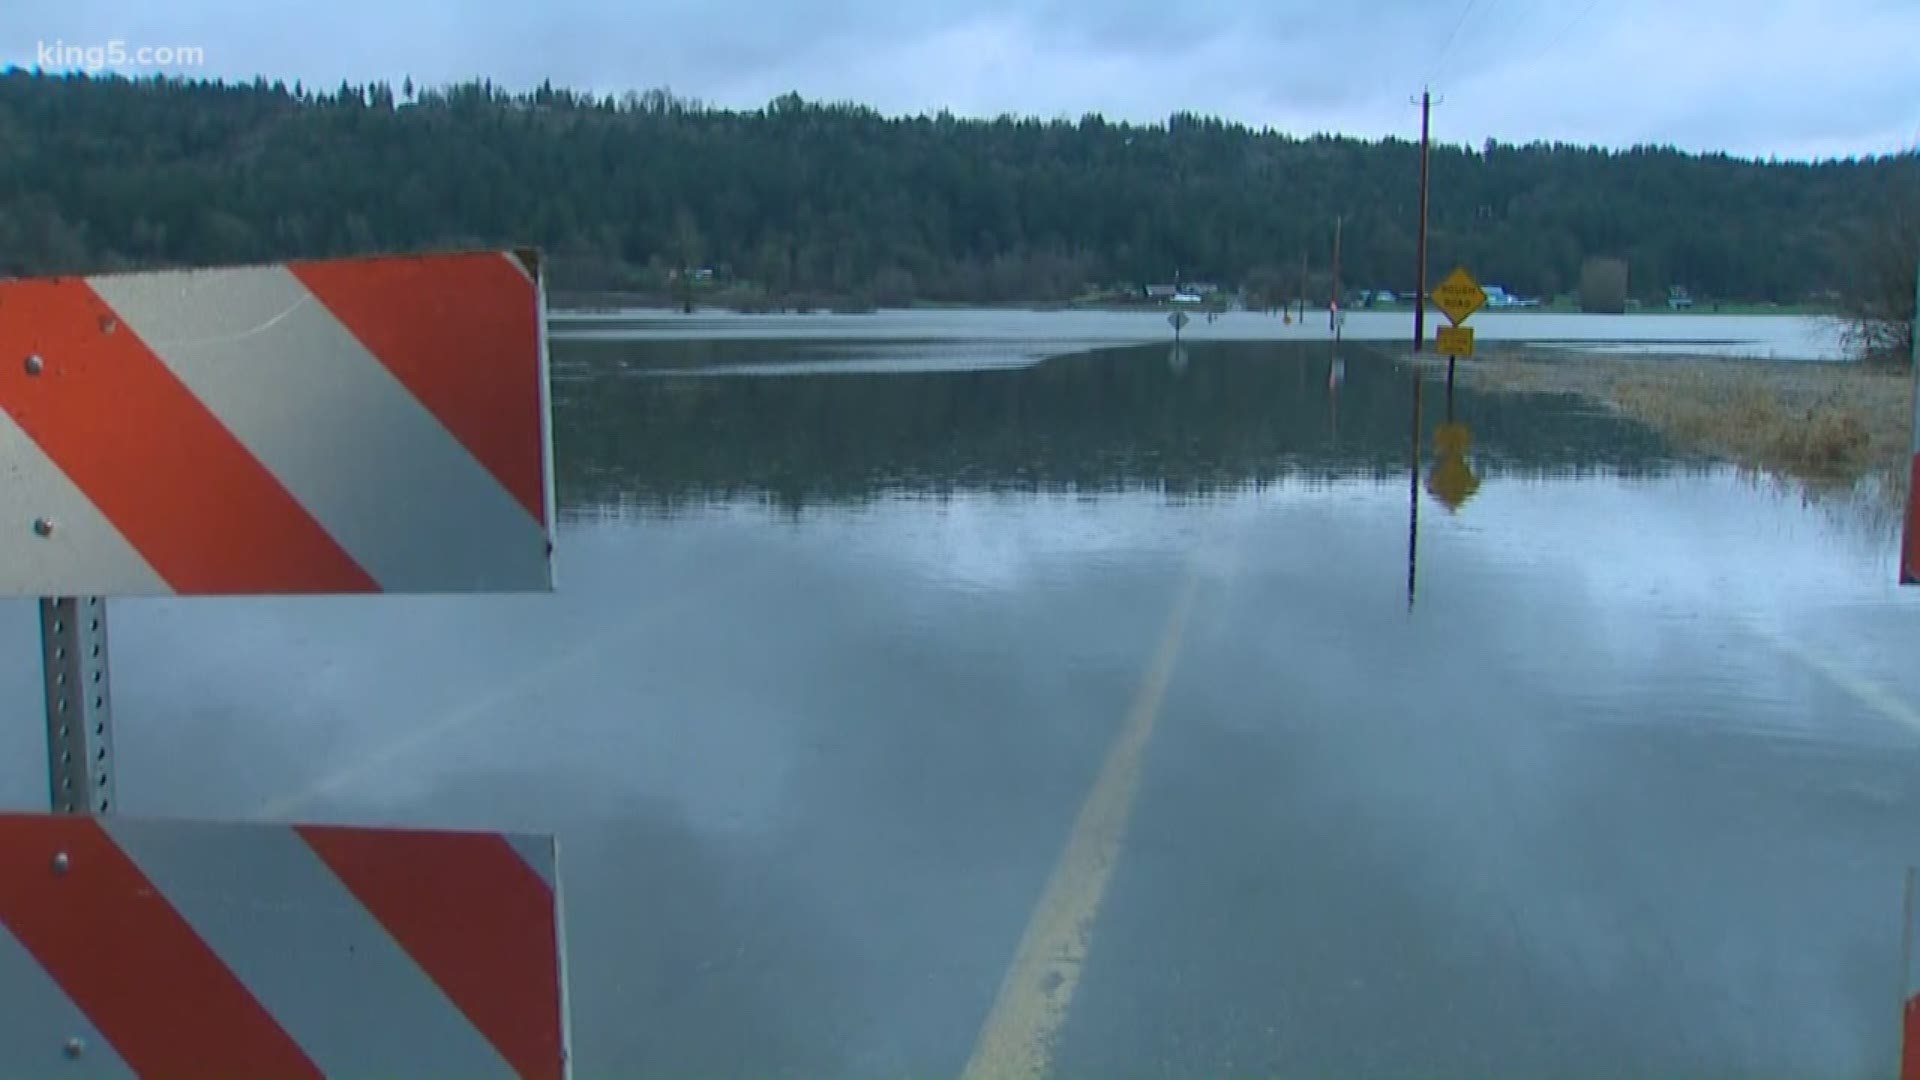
(1047, 333)
(907, 706)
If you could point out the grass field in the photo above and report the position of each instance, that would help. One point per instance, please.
(1826, 424)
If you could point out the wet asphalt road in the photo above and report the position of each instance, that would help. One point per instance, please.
(1628, 791)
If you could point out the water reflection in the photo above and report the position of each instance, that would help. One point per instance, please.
(1452, 482)
(1413, 493)
(1205, 418)
(813, 770)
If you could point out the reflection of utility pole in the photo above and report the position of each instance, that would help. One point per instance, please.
(1413, 492)
(1420, 244)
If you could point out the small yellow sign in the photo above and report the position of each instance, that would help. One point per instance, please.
(1459, 295)
(1453, 341)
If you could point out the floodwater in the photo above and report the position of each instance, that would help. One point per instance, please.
(907, 698)
(1042, 333)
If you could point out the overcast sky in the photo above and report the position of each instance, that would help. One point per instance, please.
(1793, 78)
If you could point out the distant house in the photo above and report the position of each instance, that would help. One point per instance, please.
(1200, 288)
(1678, 299)
(1162, 292)
(1497, 296)
(1383, 296)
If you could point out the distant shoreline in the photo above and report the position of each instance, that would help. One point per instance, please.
(571, 302)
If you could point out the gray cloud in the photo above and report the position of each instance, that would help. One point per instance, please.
(1793, 78)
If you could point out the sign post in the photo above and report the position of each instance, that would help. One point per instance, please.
(1451, 341)
(363, 425)
(73, 663)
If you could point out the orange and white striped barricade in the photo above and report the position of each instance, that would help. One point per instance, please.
(171, 949)
(342, 426)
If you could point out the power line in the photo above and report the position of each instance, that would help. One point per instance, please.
(1567, 29)
(1444, 64)
(1465, 10)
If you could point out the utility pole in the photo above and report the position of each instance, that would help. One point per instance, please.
(1302, 291)
(1420, 245)
(1333, 308)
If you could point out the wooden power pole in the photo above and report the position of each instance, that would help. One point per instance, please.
(1420, 245)
(1333, 306)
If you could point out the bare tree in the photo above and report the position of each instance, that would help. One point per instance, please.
(1603, 286)
(1877, 307)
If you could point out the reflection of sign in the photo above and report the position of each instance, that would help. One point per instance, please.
(1453, 341)
(346, 426)
(160, 948)
(1459, 295)
(1177, 360)
(1452, 481)
(1177, 320)
(1452, 440)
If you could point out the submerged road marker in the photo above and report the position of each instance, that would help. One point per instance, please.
(1867, 692)
(1018, 1036)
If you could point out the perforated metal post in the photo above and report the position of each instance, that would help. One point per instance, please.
(73, 656)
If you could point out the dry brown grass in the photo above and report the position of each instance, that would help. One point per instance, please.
(1826, 424)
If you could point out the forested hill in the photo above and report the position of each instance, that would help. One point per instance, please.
(106, 173)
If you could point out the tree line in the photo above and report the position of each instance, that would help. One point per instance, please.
(626, 193)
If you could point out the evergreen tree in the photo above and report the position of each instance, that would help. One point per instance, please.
(800, 196)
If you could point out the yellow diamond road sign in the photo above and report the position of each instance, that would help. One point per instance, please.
(1459, 295)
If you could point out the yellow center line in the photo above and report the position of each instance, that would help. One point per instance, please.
(1018, 1036)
